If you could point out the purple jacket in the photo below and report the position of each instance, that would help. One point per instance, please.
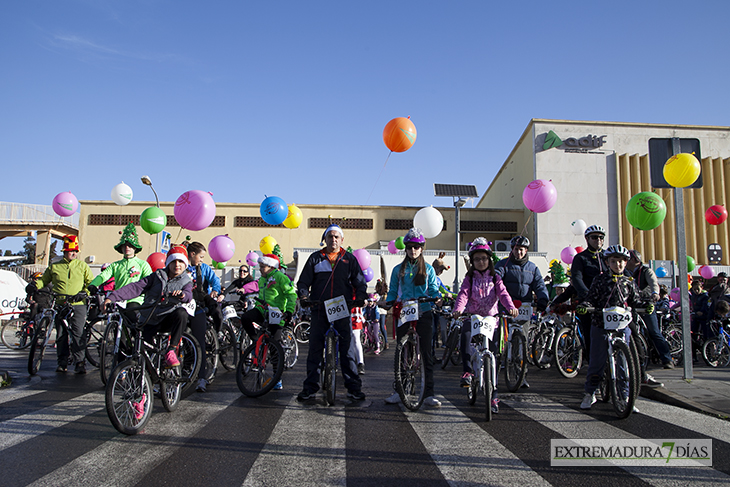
(155, 286)
(480, 296)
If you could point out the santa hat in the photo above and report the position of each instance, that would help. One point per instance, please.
(332, 228)
(270, 260)
(70, 243)
(177, 253)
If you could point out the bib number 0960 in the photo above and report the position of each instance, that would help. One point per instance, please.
(409, 313)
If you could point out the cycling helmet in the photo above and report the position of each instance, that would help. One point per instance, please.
(414, 235)
(479, 244)
(635, 254)
(520, 241)
(594, 229)
(617, 251)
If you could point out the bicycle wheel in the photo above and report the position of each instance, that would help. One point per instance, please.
(637, 373)
(38, 345)
(488, 389)
(673, 336)
(107, 358)
(16, 334)
(94, 337)
(301, 331)
(227, 351)
(211, 353)
(410, 373)
(623, 386)
(260, 368)
(568, 353)
(515, 366)
(448, 350)
(471, 391)
(128, 393)
(541, 355)
(716, 353)
(603, 385)
(290, 346)
(530, 340)
(170, 388)
(191, 356)
(642, 350)
(329, 371)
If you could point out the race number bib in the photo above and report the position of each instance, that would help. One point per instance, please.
(189, 307)
(616, 318)
(409, 313)
(524, 312)
(274, 315)
(336, 309)
(483, 325)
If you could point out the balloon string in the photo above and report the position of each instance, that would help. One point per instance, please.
(378, 179)
(524, 229)
(178, 235)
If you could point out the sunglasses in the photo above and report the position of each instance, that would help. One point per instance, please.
(596, 237)
(413, 246)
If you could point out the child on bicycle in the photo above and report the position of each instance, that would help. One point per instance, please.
(609, 289)
(372, 318)
(479, 294)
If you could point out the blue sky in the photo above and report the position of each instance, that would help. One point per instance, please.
(246, 99)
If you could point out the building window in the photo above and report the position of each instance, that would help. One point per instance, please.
(344, 223)
(252, 221)
(487, 226)
(391, 224)
(115, 220)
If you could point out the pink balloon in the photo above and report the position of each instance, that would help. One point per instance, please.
(391, 247)
(195, 210)
(707, 272)
(65, 204)
(363, 258)
(674, 294)
(221, 248)
(252, 258)
(567, 255)
(539, 196)
(369, 274)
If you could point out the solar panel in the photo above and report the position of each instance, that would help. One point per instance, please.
(455, 190)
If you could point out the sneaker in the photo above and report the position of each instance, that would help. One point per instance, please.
(80, 368)
(495, 406)
(278, 386)
(61, 368)
(361, 369)
(669, 365)
(651, 382)
(524, 385)
(139, 407)
(356, 395)
(305, 395)
(202, 385)
(466, 379)
(588, 401)
(393, 398)
(432, 402)
(171, 359)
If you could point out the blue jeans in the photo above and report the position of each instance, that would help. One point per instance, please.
(598, 357)
(662, 347)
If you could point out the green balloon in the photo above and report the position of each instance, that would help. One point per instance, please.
(690, 263)
(646, 211)
(399, 243)
(153, 220)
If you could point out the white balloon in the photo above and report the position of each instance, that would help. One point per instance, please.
(121, 194)
(430, 221)
(578, 227)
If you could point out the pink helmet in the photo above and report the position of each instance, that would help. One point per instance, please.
(414, 235)
(479, 244)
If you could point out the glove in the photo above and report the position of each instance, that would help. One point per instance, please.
(358, 303)
(581, 310)
(649, 308)
(286, 316)
(31, 288)
(79, 297)
(93, 290)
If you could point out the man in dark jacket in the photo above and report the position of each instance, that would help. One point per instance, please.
(328, 275)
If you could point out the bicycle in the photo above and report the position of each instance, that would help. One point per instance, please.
(128, 394)
(17, 333)
(94, 330)
(372, 340)
(569, 346)
(452, 348)
(483, 361)
(261, 364)
(716, 350)
(543, 346)
(514, 354)
(45, 327)
(671, 329)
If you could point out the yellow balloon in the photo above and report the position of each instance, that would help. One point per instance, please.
(267, 244)
(294, 219)
(682, 170)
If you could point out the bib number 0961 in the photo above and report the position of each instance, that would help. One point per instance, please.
(336, 309)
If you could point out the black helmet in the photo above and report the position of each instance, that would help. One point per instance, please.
(520, 241)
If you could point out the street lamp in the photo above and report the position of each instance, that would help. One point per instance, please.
(461, 193)
(148, 182)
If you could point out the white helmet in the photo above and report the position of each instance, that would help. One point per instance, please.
(594, 229)
(618, 251)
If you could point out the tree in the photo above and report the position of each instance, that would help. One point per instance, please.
(28, 251)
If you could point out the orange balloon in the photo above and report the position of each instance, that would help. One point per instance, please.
(399, 134)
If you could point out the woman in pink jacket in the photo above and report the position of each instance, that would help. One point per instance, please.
(479, 294)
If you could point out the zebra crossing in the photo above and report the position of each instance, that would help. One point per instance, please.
(228, 439)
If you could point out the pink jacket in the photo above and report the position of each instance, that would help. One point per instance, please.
(481, 296)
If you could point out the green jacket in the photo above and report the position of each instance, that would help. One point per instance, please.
(124, 272)
(277, 290)
(68, 277)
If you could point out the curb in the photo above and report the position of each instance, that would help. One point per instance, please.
(666, 396)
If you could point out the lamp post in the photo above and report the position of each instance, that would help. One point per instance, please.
(458, 203)
(148, 182)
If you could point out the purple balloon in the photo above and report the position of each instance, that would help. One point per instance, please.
(369, 274)
(195, 210)
(567, 254)
(539, 196)
(252, 258)
(674, 294)
(65, 204)
(391, 247)
(363, 258)
(221, 248)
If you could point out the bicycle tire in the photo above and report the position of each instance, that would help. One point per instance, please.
(623, 388)
(568, 353)
(603, 385)
(410, 373)
(329, 384)
(93, 337)
(228, 348)
(540, 350)
(38, 346)
(129, 383)
(515, 366)
(107, 358)
(16, 335)
(473, 389)
(301, 331)
(290, 347)
(530, 338)
(190, 355)
(258, 371)
(170, 388)
(488, 389)
(638, 374)
(715, 352)
(673, 336)
(212, 348)
(452, 342)
(642, 350)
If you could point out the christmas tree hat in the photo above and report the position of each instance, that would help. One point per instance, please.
(129, 237)
(277, 252)
(560, 278)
